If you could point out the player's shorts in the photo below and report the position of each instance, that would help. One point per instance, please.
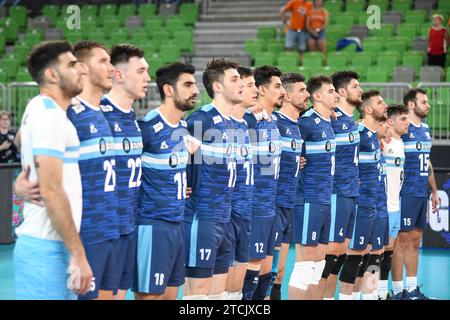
(380, 234)
(312, 224)
(413, 213)
(40, 268)
(239, 237)
(282, 225)
(262, 239)
(364, 223)
(125, 260)
(102, 259)
(207, 250)
(343, 210)
(293, 36)
(394, 224)
(160, 256)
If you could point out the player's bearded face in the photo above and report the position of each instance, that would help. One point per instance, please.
(276, 91)
(185, 93)
(354, 93)
(421, 106)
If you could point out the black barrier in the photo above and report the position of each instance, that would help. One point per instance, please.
(10, 206)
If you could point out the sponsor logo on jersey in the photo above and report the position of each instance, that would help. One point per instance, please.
(398, 161)
(244, 151)
(164, 145)
(117, 127)
(102, 146)
(78, 108)
(158, 127)
(288, 131)
(126, 145)
(183, 123)
(411, 135)
(273, 117)
(217, 119)
(344, 127)
(317, 120)
(324, 135)
(351, 137)
(293, 144)
(272, 147)
(328, 146)
(229, 150)
(106, 108)
(369, 134)
(92, 129)
(418, 145)
(173, 160)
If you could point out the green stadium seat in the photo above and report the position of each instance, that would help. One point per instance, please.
(337, 60)
(333, 6)
(401, 5)
(146, 10)
(264, 58)
(125, 11)
(361, 70)
(266, 33)
(10, 64)
(21, 50)
(326, 70)
(407, 30)
(73, 36)
(425, 30)
(275, 47)
(372, 45)
(416, 16)
(382, 4)
(253, 47)
(160, 36)
(174, 23)
(138, 38)
(398, 45)
(388, 62)
(110, 22)
(96, 35)
(444, 5)
(153, 23)
(19, 14)
(413, 61)
(169, 52)
(345, 21)
(3, 76)
(189, 13)
(89, 10)
(305, 71)
(313, 59)
(362, 59)
(386, 31)
(185, 40)
(377, 74)
(2, 42)
(154, 63)
(335, 32)
(51, 11)
(447, 74)
(11, 30)
(149, 48)
(89, 25)
(119, 35)
(356, 5)
(331, 44)
(288, 61)
(23, 75)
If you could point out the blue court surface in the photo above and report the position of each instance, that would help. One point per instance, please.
(433, 277)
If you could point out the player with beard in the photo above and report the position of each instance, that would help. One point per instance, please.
(418, 182)
(294, 104)
(345, 186)
(100, 223)
(160, 257)
(372, 111)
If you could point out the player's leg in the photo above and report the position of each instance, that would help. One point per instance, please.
(276, 287)
(126, 253)
(225, 252)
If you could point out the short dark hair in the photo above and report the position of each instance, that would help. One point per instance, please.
(170, 73)
(215, 70)
(315, 83)
(44, 55)
(264, 74)
(341, 79)
(122, 53)
(245, 72)
(290, 78)
(411, 95)
(366, 97)
(396, 109)
(82, 49)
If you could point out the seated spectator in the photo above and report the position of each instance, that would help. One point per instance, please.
(438, 42)
(316, 23)
(296, 28)
(8, 149)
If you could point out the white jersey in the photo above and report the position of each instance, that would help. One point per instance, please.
(394, 153)
(46, 130)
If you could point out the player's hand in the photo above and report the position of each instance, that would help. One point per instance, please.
(435, 202)
(5, 145)
(188, 192)
(302, 163)
(28, 190)
(259, 113)
(80, 275)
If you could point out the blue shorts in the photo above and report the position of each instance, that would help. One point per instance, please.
(293, 36)
(312, 224)
(364, 223)
(160, 256)
(102, 259)
(394, 224)
(262, 239)
(126, 256)
(40, 268)
(282, 226)
(321, 36)
(207, 249)
(239, 237)
(413, 213)
(343, 210)
(380, 234)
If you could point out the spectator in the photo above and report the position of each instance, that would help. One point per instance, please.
(438, 40)
(296, 28)
(8, 149)
(316, 23)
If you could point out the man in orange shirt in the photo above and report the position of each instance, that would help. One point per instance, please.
(316, 22)
(296, 28)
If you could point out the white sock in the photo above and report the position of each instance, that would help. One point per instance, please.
(411, 283)
(356, 295)
(217, 296)
(375, 294)
(328, 298)
(366, 296)
(397, 287)
(234, 295)
(345, 296)
(196, 297)
(383, 289)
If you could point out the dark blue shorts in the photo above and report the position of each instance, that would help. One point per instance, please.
(343, 211)
(312, 224)
(282, 225)
(207, 249)
(160, 256)
(364, 223)
(125, 258)
(380, 234)
(102, 259)
(413, 213)
(262, 239)
(239, 237)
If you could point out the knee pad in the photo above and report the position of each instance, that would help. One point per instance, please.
(196, 297)
(386, 265)
(302, 275)
(374, 263)
(338, 265)
(364, 266)
(319, 266)
(350, 269)
(330, 262)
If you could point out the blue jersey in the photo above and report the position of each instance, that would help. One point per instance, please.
(266, 145)
(417, 161)
(212, 170)
(347, 149)
(291, 149)
(243, 190)
(369, 167)
(100, 221)
(164, 181)
(319, 150)
(128, 151)
(382, 193)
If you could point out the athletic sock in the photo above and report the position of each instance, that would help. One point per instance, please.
(367, 296)
(383, 289)
(345, 296)
(275, 294)
(250, 283)
(328, 298)
(263, 284)
(356, 295)
(411, 283)
(397, 287)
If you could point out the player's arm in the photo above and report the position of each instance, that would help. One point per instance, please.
(435, 200)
